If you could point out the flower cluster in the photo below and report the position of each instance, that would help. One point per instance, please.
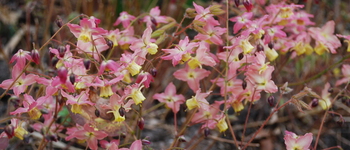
(102, 80)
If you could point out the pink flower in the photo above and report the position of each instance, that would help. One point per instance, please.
(294, 142)
(77, 101)
(262, 81)
(20, 57)
(125, 19)
(325, 39)
(241, 21)
(191, 76)
(346, 73)
(212, 34)
(154, 17)
(202, 57)
(170, 98)
(113, 145)
(273, 32)
(208, 115)
(205, 15)
(178, 53)
(198, 101)
(21, 84)
(86, 29)
(31, 107)
(144, 45)
(90, 134)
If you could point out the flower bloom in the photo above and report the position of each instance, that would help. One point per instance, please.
(294, 142)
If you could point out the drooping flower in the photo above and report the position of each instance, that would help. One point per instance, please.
(89, 134)
(191, 76)
(77, 101)
(170, 98)
(178, 53)
(346, 73)
(22, 83)
(125, 19)
(198, 101)
(325, 38)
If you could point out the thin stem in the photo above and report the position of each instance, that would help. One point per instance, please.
(265, 122)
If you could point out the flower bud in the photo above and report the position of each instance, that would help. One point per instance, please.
(270, 45)
(206, 132)
(54, 61)
(15, 101)
(314, 103)
(140, 123)
(237, 3)
(62, 73)
(190, 13)
(81, 16)
(216, 10)
(271, 100)
(35, 56)
(340, 121)
(145, 142)
(244, 84)
(30, 129)
(240, 56)
(122, 111)
(61, 51)
(10, 131)
(154, 21)
(259, 48)
(109, 43)
(182, 138)
(87, 64)
(330, 90)
(72, 78)
(97, 113)
(59, 21)
(248, 5)
(153, 72)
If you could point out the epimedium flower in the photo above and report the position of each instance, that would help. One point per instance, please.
(31, 107)
(325, 38)
(170, 98)
(131, 63)
(77, 101)
(134, 92)
(212, 34)
(325, 102)
(178, 53)
(208, 115)
(145, 45)
(295, 142)
(125, 19)
(241, 21)
(198, 101)
(20, 57)
(191, 76)
(202, 57)
(205, 15)
(86, 29)
(18, 127)
(117, 103)
(89, 134)
(262, 81)
(222, 125)
(21, 84)
(154, 17)
(346, 73)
